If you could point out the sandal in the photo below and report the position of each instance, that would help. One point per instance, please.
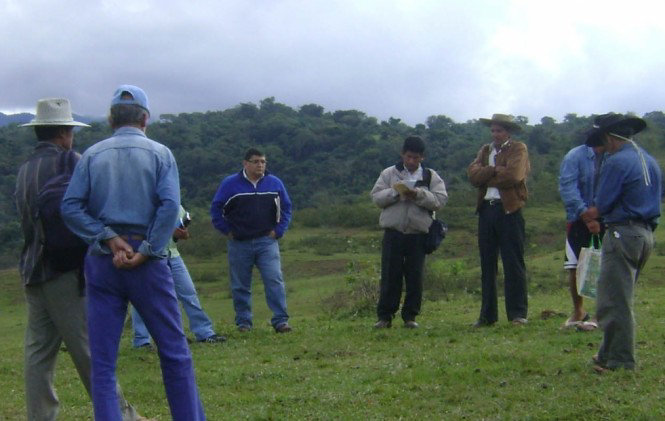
(570, 323)
(586, 326)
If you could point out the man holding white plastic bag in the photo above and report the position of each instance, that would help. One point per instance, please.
(578, 179)
(628, 201)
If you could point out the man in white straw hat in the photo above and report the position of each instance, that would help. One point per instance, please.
(499, 172)
(53, 283)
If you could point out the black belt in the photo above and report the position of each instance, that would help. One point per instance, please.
(493, 202)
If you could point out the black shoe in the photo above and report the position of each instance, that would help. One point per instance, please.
(411, 324)
(482, 323)
(283, 328)
(146, 347)
(383, 324)
(519, 321)
(213, 339)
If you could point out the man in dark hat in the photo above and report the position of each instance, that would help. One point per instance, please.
(499, 172)
(628, 201)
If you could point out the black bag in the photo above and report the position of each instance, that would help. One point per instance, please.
(63, 250)
(438, 229)
(437, 232)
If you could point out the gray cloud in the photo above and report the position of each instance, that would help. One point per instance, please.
(406, 59)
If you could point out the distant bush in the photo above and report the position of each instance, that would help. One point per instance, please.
(205, 241)
(446, 276)
(360, 296)
(328, 244)
(204, 277)
(353, 215)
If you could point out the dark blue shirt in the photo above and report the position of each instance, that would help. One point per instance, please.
(623, 193)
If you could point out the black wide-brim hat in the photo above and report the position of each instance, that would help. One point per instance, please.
(610, 122)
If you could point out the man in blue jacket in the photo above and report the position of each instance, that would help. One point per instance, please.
(578, 177)
(253, 209)
(628, 201)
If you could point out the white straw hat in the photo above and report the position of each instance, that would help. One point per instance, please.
(54, 112)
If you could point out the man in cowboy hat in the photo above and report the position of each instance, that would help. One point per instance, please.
(128, 219)
(55, 302)
(628, 201)
(499, 172)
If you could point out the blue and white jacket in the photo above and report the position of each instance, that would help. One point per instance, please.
(250, 212)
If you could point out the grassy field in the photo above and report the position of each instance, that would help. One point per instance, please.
(335, 366)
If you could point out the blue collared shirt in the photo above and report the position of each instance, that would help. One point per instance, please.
(126, 184)
(576, 181)
(622, 191)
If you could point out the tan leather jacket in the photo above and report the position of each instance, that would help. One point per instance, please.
(407, 216)
(508, 175)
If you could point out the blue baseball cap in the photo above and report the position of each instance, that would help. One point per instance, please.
(138, 97)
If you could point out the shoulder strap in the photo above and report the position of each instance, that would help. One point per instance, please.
(427, 176)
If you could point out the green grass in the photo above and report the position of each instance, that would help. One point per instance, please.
(335, 366)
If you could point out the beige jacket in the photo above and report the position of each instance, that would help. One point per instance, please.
(407, 216)
(508, 175)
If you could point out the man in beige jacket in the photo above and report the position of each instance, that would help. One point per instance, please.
(499, 172)
(408, 194)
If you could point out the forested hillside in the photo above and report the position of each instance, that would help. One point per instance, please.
(323, 157)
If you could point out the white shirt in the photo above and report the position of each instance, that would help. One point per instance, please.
(414, 176)
(492, 192)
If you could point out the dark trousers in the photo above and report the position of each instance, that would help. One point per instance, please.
(402, 257)
(498, 231)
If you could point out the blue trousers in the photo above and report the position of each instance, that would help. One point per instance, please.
(149, 287)
(264, 253)
(199, 322)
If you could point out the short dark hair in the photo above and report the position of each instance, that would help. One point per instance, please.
(414, 144)
(44, 133)
(253, 152)
(126, 115)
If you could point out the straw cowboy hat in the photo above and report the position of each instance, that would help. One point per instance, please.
(613, 122)
(54, 112)
(504, 120)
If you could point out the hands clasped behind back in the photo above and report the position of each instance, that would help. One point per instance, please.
(124, 256)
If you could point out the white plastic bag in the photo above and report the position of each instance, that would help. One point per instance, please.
(588, 271)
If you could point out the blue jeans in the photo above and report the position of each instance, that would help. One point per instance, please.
(149, 287)
(264, 253)
(199, 322)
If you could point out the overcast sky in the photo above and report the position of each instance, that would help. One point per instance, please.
(404, 59)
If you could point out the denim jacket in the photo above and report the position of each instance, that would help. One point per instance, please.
(576, 181)
(126, 184)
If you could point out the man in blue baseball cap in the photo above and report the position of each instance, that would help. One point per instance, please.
(128, 218)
